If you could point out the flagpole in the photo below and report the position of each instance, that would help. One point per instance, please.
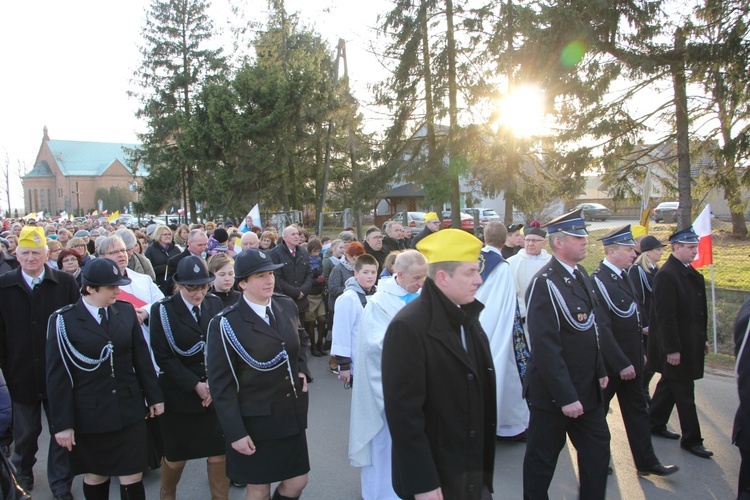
(713, 306)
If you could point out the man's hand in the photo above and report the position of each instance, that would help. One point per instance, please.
(303, 378)
(155, 410)
(142, 314)
(673, 359)
(627, 373)
(201, 388)
(244, 445)
(645, 330)
(301, 296)
(573, 410)
(430, 495)
(345, 375)
(66, 439)
(603, 382)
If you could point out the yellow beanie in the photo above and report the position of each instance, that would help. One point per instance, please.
(32, 237)
(431, 216)
(450, 245)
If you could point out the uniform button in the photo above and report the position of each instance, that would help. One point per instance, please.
(288, 395)
(202, 363)
(201, 337)
(471, 487)
(33, 322)
(472, 434)
(114, 391)
(286, 378)
(470, 376)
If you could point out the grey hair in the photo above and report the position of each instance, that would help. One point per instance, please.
(406, 259)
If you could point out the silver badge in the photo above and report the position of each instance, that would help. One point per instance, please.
(614, 276)
(196, 269)
(114, 270)
(566, 280)
(262, 255)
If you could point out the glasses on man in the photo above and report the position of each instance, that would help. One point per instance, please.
(533, 242)
(115, 252)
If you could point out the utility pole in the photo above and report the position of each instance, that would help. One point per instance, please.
(77, 192)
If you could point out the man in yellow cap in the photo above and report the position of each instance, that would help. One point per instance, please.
(438, 379)
(431, 225)
(28, 296)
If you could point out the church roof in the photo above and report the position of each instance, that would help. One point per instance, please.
(81, 158)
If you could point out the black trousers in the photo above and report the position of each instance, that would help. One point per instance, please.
(545, 439)
(669, 393)
(632, 400)
(27, 426)
(743, 484)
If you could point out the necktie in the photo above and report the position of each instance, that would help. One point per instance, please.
(197, 313)
(293, 253)
(103, 316)
(35, 281)
(577, 275)
(271, 320)
(626, 279)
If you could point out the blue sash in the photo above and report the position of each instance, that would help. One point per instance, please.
(487, 262)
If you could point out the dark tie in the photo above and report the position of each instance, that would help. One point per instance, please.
(293, 253)
(103, 316)
(35, 281)
(271, 320)
(197, 313)
(577, 275)
(626, 279)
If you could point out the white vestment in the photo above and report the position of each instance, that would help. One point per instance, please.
(143, 287)
(498, 295)
(523, 267)
(369, 438)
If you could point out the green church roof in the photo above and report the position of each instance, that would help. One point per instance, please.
(81, 158)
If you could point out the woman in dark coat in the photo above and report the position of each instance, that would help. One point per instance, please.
(257, 372)
(190, 427)
(99, 373)
(159, 252)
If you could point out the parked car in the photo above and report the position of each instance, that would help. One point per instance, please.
(486, 215)
(666, 211)
(594, 211)
(412, 221)
(467, 221)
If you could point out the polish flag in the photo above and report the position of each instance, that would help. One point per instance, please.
(702, 227)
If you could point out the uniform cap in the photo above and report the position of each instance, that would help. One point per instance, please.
(431, 216)
(650, 243)
(571, 223)
(253, 261)
(620, 236)
(32, 237)
(450, 245)
(512, 228)
(103, 272)
(686, 235)
(192, 270)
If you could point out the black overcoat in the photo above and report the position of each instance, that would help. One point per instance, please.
(295, 276)
(439, 399)
(565, 364)
(180, 374)
(621, 338)
(678, 321)
(159, 258)
(265, 400)
(741, 431)
(23, 328)
(93, 402)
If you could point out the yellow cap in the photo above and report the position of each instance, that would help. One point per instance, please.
(637, 231)
(32, 237)
(450, 245)
(430, 216)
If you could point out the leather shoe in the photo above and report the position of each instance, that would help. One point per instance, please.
(26, 481)
(64, 496)
(698, 450)
(667, 434)
(658, 470)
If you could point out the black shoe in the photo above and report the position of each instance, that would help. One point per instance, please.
(698, 450)
(666, 434)
(239, 485)
(26, 481)
(518, 438)
(64, 496)
(315, 351)
(658, 470)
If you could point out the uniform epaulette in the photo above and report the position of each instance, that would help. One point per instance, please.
(227, 309)
(65, 308)
(165, 299)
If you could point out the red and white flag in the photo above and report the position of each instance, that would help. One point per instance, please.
(702, 227)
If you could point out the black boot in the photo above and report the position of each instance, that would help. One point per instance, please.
(322, 331)
(279, 496)
(133, 491)
(310, 329)
(96, 491)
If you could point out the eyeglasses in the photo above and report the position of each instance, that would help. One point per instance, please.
(70, 261)
(533, 241)
(115, 252)
(196, 288)
(374, 237)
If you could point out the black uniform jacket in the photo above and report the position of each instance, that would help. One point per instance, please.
(23, 328)
(296, 275)
(643, 282)
(621, 339)
(678, 321)
(179, 374)
(159, 256)
(439, 398)
(264, 399)
(95, 401)
(741, 432)
(565, 364)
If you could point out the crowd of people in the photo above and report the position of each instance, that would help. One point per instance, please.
(194, 341)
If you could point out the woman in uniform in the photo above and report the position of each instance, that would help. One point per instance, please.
(258, 375)
(99, 373)
(189, 428)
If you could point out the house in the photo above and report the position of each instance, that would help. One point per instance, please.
(67, 174)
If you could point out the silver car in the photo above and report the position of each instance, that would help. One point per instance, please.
(412, 221)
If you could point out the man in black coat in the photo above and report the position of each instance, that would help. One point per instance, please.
(741, 431)
(294, 278)
(394, 240)
(678, 342)
(621, 333)
(196, 245)
(374, 246)
(565, 372)
(431, 225)
(28, 296)
(439, 381)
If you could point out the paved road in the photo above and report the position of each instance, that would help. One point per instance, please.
(331, 477)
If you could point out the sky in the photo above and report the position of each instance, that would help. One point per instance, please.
(69, 65)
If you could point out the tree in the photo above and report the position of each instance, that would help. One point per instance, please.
(177, 62)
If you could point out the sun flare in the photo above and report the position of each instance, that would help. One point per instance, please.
(522, 111)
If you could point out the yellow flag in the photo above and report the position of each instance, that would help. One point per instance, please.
(95, 212)
(114, 216)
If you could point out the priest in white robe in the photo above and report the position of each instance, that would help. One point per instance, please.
(526, 263)
(501, 322)
(369, 437)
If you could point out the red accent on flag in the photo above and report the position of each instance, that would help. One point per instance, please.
(705, 253)
(129, 297)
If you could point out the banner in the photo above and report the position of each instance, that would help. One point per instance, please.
(254, 215)
(114, 216)
(702, 227)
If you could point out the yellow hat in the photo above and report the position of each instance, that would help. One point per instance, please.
(450, 245)
(32, 237)
(638, 231)
(430, 216)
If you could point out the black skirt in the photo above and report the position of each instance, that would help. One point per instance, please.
(274, 460)
(191, 435)
(116, 453)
